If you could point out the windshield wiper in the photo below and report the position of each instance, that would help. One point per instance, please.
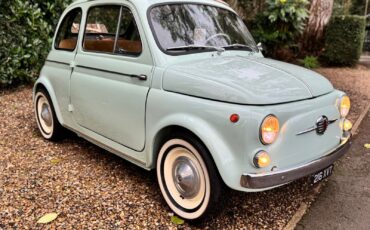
(193, 47)
(237, 45)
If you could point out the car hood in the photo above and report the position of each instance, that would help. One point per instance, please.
(244, 80)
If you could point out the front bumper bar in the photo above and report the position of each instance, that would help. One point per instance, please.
(275, 178)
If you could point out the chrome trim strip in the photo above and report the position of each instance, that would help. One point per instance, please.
(141, 77)
(313, 128)
(271, 179)
(57, 62)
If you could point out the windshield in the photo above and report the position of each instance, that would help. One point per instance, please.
(184, 28)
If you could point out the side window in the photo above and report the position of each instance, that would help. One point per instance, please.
(67, 35)
(101, 31)
(101, 28)
(128, 38)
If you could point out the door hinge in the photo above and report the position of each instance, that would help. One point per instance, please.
(72, 64)
(70, 108)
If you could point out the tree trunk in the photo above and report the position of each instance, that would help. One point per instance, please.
(320, 13)
(236, 6)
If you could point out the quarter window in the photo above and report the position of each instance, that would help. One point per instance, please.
(67, 35)
(111, 29)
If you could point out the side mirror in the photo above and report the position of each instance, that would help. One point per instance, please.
(260, 46)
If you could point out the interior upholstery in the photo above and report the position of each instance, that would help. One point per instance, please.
(129, 46)
(99, 45)
(103, 45)
(68, 44)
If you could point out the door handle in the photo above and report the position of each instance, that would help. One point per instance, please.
(141, 77)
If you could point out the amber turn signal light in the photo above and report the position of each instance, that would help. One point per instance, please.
(262, 159)
(346, 125)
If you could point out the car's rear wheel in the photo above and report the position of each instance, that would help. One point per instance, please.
(47, 121)
(187, 177)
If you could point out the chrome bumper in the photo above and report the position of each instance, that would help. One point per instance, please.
(275, 178)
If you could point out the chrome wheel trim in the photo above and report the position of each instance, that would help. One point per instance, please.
(177, 193)
(186, 177)
(196, 204)
(44, 115)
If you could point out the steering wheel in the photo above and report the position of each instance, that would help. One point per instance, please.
(218, 35)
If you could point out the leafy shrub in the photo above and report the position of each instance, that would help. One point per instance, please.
(26, 29)
(342, 7)
(52, 10)
(310, 62)
(280, 23)
(358, 7)
(23, 37)
(344, 40)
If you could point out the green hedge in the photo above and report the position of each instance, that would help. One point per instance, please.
(26, 30)
(344, 40)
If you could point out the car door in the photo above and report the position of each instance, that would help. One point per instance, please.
(58, 63)
(111, 77)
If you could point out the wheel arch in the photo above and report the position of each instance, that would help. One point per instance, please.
(200, 132)
(43, 84)
(164, 135)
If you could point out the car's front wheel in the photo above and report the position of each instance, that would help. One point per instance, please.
(187, 177)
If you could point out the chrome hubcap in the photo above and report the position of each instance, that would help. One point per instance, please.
(186, 177)
(46, 115)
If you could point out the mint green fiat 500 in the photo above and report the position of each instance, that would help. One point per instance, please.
(181, 87)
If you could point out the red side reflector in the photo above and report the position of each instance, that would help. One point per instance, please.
(234, 118)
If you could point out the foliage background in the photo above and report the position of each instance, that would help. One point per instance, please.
(27, 28)
(289, 45)
(279, 25)
(344, 40)
(26, 31)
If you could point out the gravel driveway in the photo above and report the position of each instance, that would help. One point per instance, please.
(355, 82)
(91, 188)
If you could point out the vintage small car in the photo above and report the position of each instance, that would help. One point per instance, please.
(181, 87)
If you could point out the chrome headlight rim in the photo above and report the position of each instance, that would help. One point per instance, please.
(261, 129)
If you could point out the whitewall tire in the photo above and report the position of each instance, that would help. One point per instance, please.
(187, 177)
(47, 121)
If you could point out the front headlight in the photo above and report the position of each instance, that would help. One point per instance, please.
(269, 130)
(344, 106)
